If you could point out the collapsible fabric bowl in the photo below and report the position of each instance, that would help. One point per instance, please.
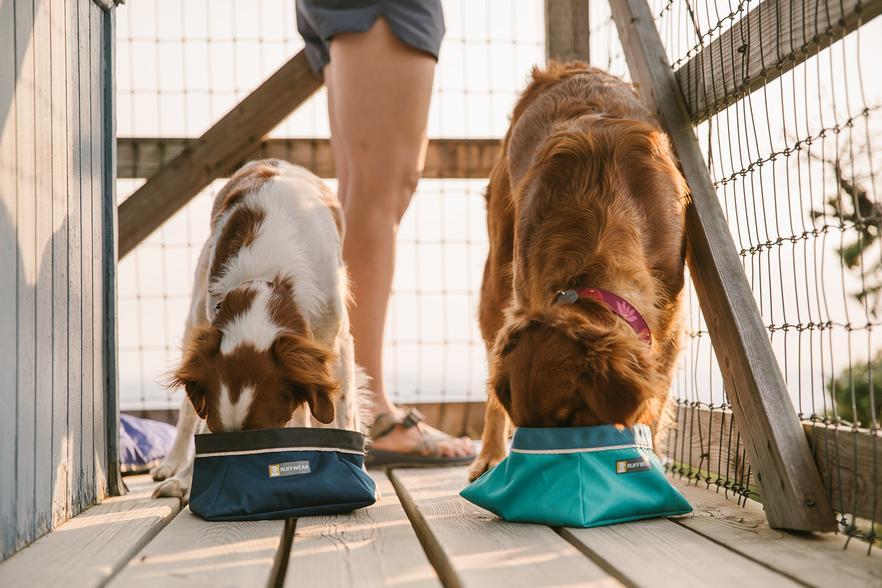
(279, 473)
(578, 477)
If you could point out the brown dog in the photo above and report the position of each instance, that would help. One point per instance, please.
(581, 293)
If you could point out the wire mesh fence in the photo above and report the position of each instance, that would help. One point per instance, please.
(791, 157)
(182, 65)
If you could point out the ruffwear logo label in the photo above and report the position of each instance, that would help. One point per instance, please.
(290, 468)
(629, 466)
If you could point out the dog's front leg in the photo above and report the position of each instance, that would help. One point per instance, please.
(178, 486)
(493, 439)
(177, 457)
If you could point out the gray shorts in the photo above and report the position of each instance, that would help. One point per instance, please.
(418, 23)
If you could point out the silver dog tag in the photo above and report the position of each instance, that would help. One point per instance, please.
(566, 297)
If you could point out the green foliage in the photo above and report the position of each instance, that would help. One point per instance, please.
(857, 408)
(858, 213)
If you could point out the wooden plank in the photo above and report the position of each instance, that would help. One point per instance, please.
(566, 30)
(373, 546)
(97, 141)
(849, 460)
(226, 145)
(791, 486)
(109, 265)
(194, 552)
(662, 553)
(764, 44)
(816, 560)
(141, 157)
(86, 478)
(26, 215)
(59, 155)
(93, 546)
(43, 283)
(9, 262)
(75, 266)
(708, 442)
(470, 547)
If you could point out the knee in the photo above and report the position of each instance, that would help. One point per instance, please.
(382, 191)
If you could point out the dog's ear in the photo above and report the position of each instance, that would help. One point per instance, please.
(507, 339)
(192, 375)
(620, 374)
(517, 322)
(308, 370)
(500, 383)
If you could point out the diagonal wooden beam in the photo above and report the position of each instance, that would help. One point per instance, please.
(793, 495)
(765, 43)
(225, 145)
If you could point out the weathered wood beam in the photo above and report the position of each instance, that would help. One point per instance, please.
(224, 146)
(141, 157)
(708, 442)
(768, 41)
(850, 462)
(566, 30)
(793, 494)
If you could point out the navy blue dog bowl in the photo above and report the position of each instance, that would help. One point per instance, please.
(279, 473)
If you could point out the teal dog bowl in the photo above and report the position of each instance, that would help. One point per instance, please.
(578, 477)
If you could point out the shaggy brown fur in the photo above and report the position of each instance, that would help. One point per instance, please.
(586, 194)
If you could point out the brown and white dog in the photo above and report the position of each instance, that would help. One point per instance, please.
(268, 329)
(580, 301)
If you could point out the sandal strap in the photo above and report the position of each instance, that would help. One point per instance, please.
(385, 423)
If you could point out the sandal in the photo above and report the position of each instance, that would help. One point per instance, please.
(424, 455)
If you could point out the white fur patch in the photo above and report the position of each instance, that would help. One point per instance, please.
(233, 415)
(253, 327)
(297, 239)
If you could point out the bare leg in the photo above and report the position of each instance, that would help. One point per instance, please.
(378, 98)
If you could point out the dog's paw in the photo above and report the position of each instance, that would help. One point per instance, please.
(165, 470)
(173, 488)
(483, 463)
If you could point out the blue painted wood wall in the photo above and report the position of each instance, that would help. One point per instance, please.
(57, 264)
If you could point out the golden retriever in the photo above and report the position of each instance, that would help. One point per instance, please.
(580, 300)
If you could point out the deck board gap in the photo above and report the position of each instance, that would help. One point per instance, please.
(283, 555)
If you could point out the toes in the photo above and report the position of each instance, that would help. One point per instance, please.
(478, 467)
(482, 464)
(162, 472)
(171, 488)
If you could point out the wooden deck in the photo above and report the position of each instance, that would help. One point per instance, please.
(421, 533)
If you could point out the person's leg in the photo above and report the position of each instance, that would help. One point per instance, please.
(378, 97)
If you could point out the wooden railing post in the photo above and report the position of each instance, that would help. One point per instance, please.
(791, 489)
(566, 26)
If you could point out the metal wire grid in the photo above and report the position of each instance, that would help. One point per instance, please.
(182, 65)
(795, 170)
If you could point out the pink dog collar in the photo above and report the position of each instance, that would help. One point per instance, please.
(615, 303)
